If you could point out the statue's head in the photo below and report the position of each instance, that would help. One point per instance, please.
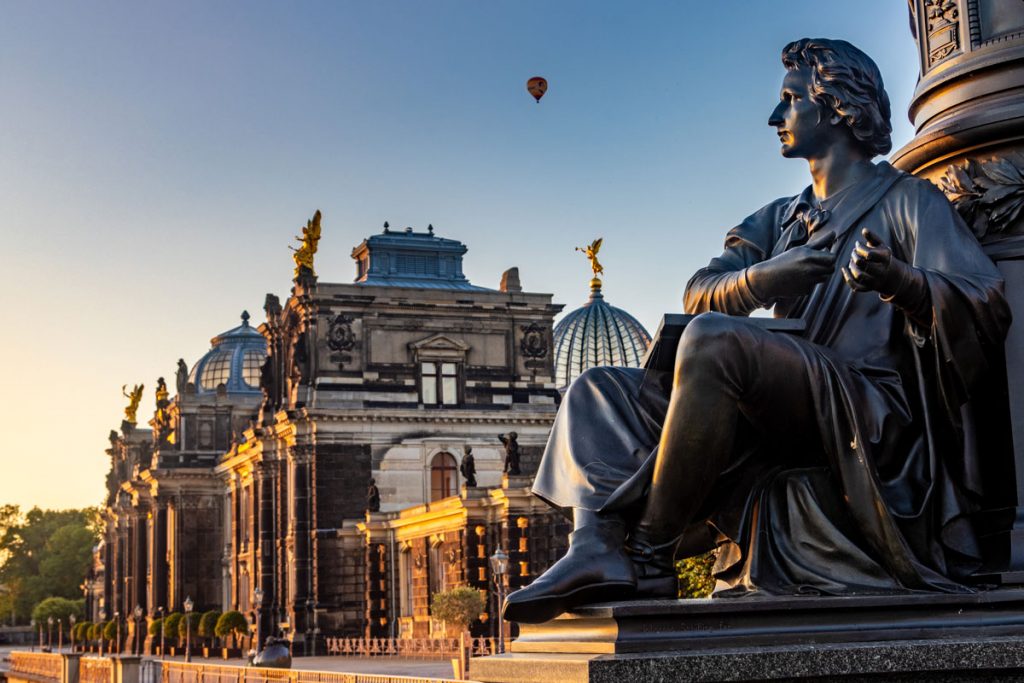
(847, 86)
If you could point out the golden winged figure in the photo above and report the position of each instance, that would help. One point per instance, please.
(591, 253)
(134, 398)
(310, 237)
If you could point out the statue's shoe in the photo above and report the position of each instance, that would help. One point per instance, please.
(596, 569)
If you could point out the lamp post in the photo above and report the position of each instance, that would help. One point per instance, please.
(138, 620)
(188, 628)
(257, 602)
(160, 612)
(309, 628)
(71, 620)
(32, 623)
(60, 634)
(499, 568)
(49, 633)
(117, 625)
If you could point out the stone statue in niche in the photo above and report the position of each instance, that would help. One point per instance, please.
(511, 443)
(755, 440)
(373, 497)
(468, 467)
(181, 377)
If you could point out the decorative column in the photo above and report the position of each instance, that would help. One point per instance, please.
(264, 487)
(160, 578)
(968, 112)
(301, 457)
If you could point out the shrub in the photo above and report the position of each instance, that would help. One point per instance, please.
(154, 627)
(695, 580)
(58, 608)
(110, 630)
(208, 624)
(457, 607)
(232, 623)
(189, 622)
(96, 631)
(82, 631)
(171, 622)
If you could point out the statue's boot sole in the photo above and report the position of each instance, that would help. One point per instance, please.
(546, 607)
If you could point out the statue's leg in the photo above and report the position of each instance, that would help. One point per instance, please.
(727, 371)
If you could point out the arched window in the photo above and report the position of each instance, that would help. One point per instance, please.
(442, 476)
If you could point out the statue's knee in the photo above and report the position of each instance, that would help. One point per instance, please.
(707, 336)
(587, 380)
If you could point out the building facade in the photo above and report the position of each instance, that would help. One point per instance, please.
(322, 457)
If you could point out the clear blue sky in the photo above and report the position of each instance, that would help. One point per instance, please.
(156, 159)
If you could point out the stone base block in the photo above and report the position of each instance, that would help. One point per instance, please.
(896, 637)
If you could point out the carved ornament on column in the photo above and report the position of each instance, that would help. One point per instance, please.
(988, 194)
(942, 20)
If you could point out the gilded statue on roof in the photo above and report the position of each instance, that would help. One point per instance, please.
(304, 254)
(590, 251)
(134, 398)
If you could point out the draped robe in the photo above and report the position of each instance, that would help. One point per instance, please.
(885, 507)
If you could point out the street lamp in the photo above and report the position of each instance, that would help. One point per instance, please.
(32, 623)
(71, 631)
(257, 601)
(499, 568)
(188, 628)
(138, 617)
(49, 633)
(160, 612)
(309, 627)
(117, 622)
(60, 634)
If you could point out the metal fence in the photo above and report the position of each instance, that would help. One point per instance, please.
(40, 664)
(422, 648)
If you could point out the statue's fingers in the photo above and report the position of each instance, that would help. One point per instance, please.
(872, 239)
(850, 282)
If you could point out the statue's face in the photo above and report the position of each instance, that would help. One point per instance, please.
(803, 126)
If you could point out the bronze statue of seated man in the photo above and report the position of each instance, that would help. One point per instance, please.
(833, 462)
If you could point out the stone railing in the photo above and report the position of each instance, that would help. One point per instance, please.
(180, 672)
(38, 664)
(95, 670)
(424, 648)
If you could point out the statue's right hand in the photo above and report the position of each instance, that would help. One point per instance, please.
(795, 271)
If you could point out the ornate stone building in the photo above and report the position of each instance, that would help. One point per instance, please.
(256, 474)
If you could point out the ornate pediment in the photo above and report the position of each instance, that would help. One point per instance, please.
(439, 346)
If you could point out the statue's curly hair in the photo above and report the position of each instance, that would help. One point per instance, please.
(846, 81)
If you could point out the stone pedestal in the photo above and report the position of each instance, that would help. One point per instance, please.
(924, 635)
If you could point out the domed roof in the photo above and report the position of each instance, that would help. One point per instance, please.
(597, 334)
(233, 360)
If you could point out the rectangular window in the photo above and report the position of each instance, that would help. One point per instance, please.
(439, 383)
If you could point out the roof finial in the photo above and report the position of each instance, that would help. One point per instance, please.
(245, 318)
(430, 228)
(386, 226)
(591, 253)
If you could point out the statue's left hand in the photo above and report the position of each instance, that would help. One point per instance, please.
(872, 267)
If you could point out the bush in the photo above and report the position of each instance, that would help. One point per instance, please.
(208, 624)
(154, 627)
(231, 623)
(110, 630)
(58, 608)
(96, 631)
(83, 630)
(189, 622)
(695, 580)
(457, 607)
(171, 622)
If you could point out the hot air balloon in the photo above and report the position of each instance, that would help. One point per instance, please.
(537, 86)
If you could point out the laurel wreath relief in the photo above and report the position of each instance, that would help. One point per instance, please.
(989, 195)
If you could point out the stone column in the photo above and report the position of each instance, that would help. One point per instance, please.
(301, 529)
(968, 112)
(264, 489)
(160, 574)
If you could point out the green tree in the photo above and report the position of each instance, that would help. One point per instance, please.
(154, 627)
(110, 630)
(171, 625)
(43, 553)
(83, 630)
(695, 579)
(208, 625)
(189, 622)
(232, 623)
(457, 607)
(96, 631)
(57, 608)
